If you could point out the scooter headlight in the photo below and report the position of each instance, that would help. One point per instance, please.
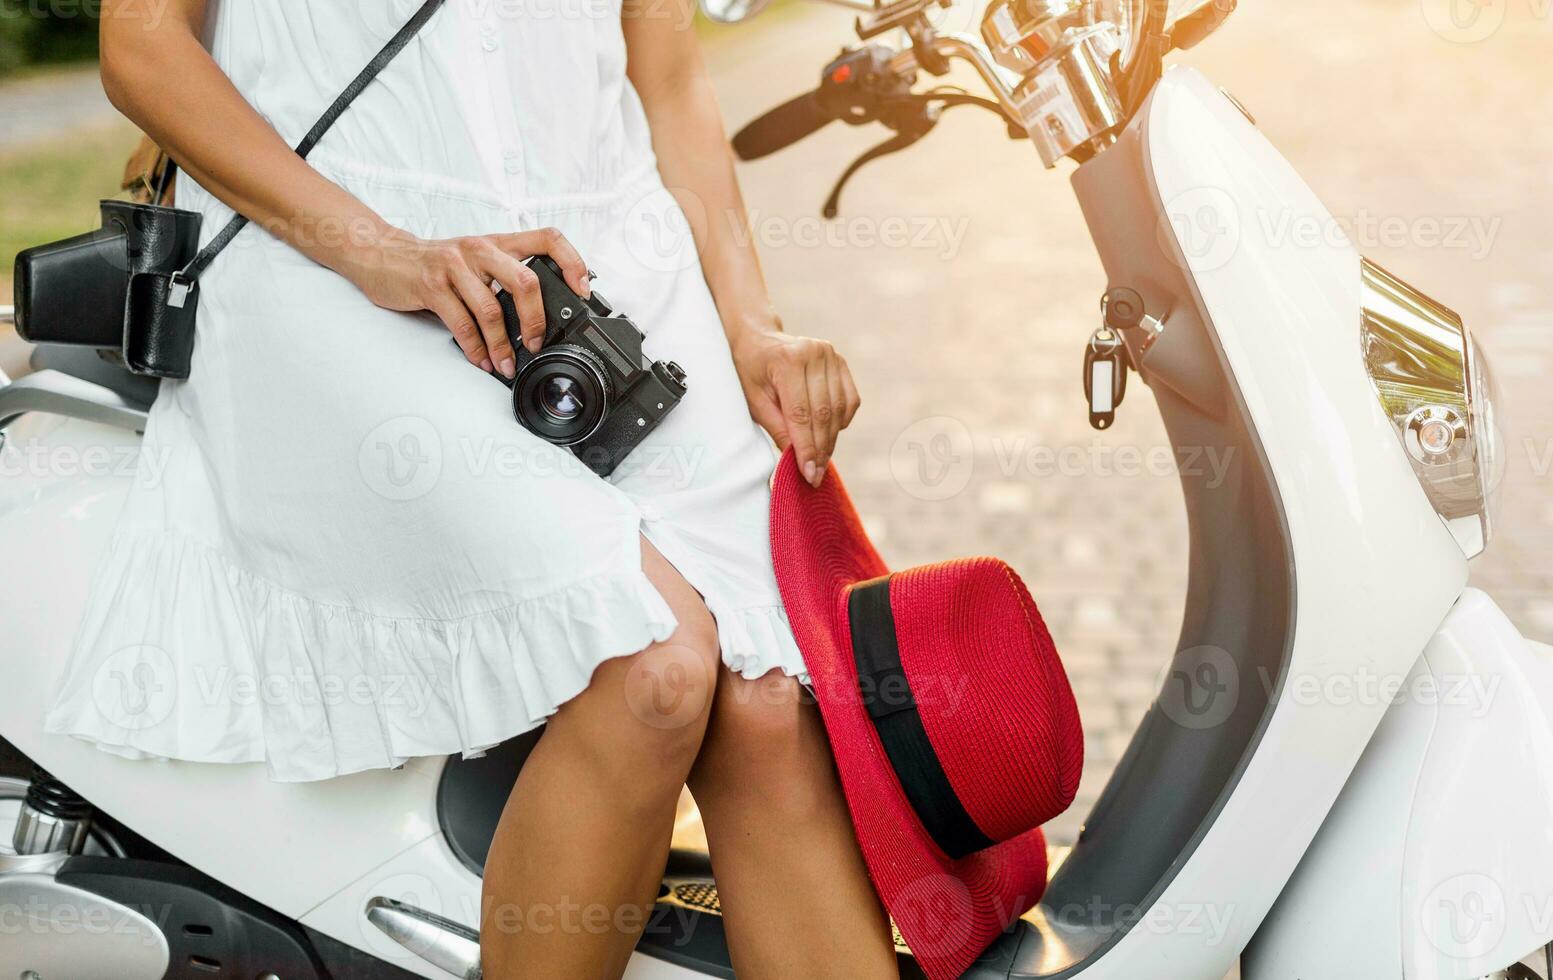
(1435, 384)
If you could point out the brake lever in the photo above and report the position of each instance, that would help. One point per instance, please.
(893, 145)
(909, 129)
(912, 118)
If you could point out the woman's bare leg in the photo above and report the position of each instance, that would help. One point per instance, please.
(795, 892)
(581, 846)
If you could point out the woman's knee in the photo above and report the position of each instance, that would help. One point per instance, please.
(641, 722)
(766, 746)
(668, 690)
(644, 716)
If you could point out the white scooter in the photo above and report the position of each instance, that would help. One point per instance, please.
(1308, 794)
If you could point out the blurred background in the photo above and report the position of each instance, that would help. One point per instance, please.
(32, 37)
(961, 283)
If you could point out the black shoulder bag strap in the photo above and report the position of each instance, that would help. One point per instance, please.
(185, 279)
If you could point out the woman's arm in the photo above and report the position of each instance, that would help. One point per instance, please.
(800, 390)
(157, 73)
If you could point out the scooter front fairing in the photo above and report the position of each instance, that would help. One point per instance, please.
(1434, 864)
(1315, 558)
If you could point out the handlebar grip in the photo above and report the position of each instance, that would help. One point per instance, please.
(781, 127)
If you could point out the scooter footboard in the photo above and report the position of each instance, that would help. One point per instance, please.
(1437, 861)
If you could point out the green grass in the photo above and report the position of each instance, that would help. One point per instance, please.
(50, 190)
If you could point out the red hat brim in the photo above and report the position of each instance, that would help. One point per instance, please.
(948, 911)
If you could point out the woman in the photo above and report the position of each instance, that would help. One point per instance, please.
(354, 556)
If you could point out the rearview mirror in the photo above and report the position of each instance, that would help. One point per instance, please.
(732, 11)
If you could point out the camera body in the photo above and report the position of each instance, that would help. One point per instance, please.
(590, 388)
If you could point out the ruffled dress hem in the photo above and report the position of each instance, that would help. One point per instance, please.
(235, 669)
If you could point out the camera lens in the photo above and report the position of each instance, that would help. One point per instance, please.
(560, 398)
(562, 395)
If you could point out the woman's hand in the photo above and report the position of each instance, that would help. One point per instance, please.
(799, 390)
(453, 278)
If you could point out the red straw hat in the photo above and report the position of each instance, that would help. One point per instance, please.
(954, 728)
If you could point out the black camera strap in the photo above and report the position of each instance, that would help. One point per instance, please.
(185, 279)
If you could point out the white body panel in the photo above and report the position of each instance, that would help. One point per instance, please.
(1437, 862)
(1287, 317)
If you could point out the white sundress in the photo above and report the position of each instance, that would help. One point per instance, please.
(342, 552)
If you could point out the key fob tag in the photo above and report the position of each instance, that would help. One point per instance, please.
(1105, 377)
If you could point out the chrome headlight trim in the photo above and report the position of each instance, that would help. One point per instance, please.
(1433, 383)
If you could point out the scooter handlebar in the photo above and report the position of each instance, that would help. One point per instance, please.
(781, 127)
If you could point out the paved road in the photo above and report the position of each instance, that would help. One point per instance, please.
(51, 105)
(979, 313)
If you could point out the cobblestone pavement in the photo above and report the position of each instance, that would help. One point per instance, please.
(961, 284)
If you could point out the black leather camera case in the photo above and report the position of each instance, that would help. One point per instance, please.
(78, 291)
(132, 287)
